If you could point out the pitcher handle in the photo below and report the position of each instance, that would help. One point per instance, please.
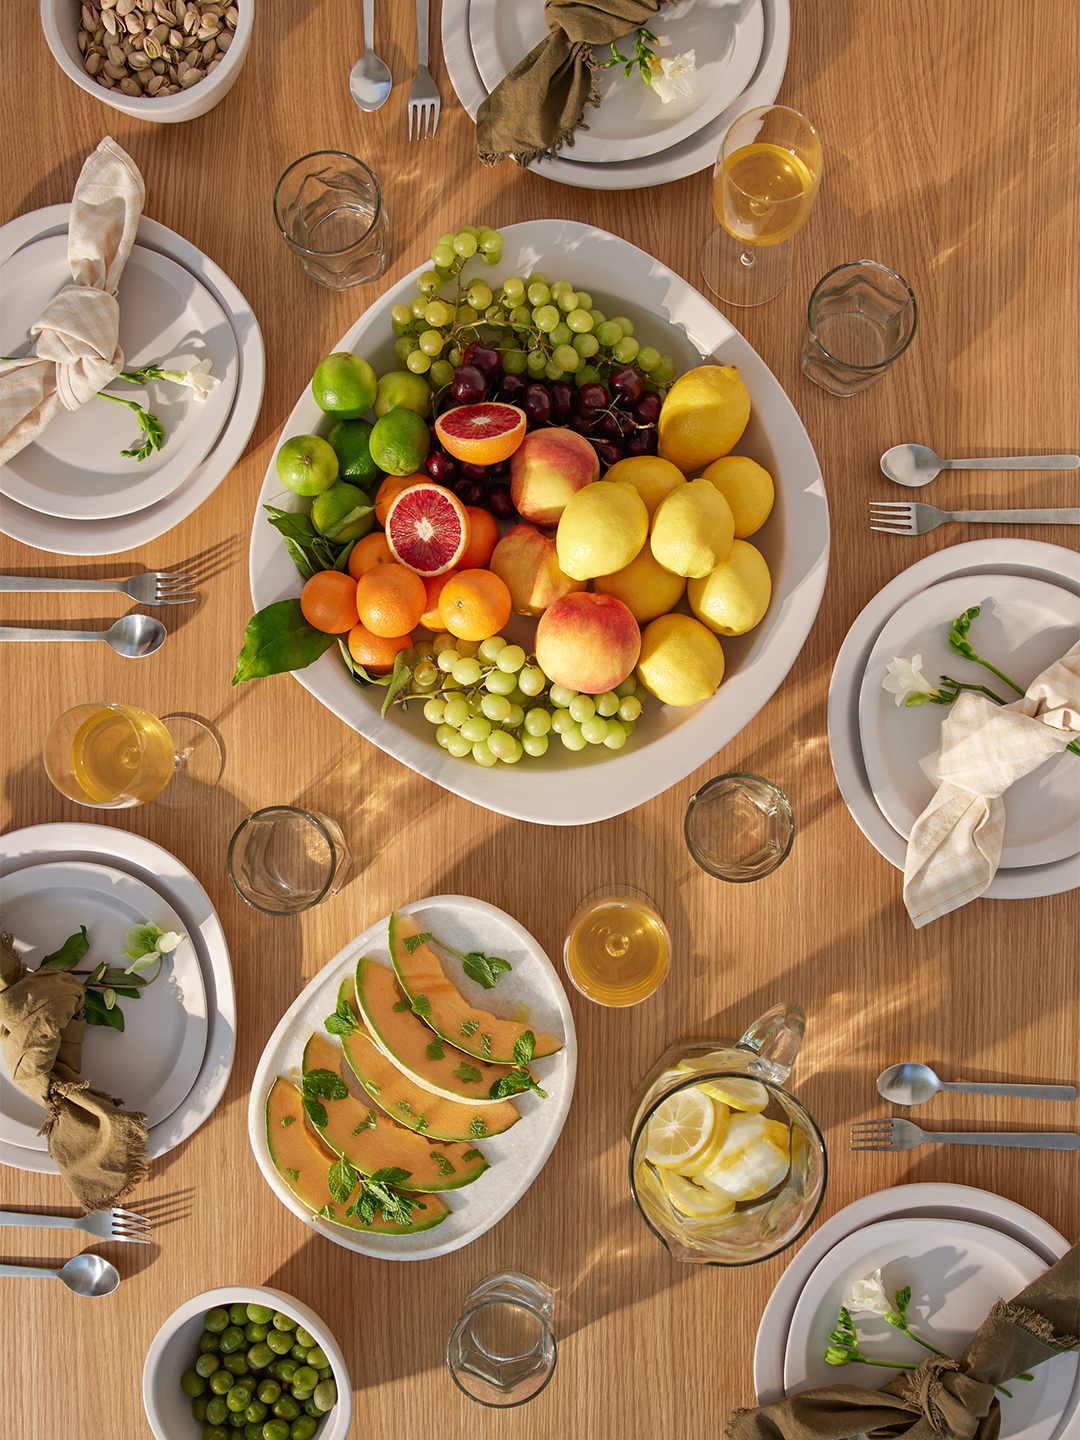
(774, 1039)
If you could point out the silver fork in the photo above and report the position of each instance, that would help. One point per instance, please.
(156, 587)
(907, 517)
(122, 1225)
(424, 100)
(905, 1135)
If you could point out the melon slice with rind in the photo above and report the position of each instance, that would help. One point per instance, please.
(303, 1162)
(438, 1001)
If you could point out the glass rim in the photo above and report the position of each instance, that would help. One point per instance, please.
(344, 155)
(616, 891)
(850, 364)
(494, 1404)
(315, 820)
(119, 707)
(694, 850)
(762, 111)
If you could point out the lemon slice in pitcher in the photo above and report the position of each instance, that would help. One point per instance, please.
(680, 1129)
(691, 1199)
(738, 1091)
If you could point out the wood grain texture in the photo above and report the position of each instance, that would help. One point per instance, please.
(951, 154)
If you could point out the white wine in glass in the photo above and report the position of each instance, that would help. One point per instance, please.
(113, 756)
(764, 184)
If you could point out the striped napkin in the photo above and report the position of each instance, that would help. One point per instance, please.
(955, 844)
(76, 351)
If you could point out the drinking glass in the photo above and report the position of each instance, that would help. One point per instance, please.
(331, 214)
(617, 948)
(283, 861)
(739, 827)
(861, 317)
(112, 756)
(502, 1350)
(765, 180)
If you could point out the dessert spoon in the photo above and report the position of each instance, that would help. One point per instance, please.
(918, 465)
(913, 1084)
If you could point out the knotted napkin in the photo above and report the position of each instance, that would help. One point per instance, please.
(955, 844)
(943, 1399)
(76, 351)
(535, 109)
(99, 1149)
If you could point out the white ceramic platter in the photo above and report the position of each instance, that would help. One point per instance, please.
(515, 1158)
(111, 536)
(632, 120)
(151, 1065)
(1024, 625)
(561, 788)
(956, 1270)
(697, 152)
(74, 469)
(162, 873)
(983, 558)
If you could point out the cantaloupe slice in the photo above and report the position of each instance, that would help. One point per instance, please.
(411, 1046)
(438, 1001)
(404, 1101)
(304, 1164)
(370, 1141)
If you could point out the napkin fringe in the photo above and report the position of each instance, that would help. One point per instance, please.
(525, 158)
(926, 1385)
(1035, 1324)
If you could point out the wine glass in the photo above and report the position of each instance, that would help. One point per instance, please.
(764, 183)
(112, 756)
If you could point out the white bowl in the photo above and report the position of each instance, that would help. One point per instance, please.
(60, 21)
(175, 1348)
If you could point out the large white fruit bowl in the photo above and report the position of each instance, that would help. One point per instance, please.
(563, 788)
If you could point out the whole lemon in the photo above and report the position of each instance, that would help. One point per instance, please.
(732, 598)
(652, 477)
(703, 416)
(402, 390)
(747, 487)
(681, 662)
(644, 586)
(602, 528)
(692, 529)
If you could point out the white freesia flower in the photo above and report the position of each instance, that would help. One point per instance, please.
(198, 378)
(168, 941)
(906, 681)
(672, 78)
(869, 1294)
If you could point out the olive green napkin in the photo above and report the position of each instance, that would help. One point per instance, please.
(99, 1149)
(943, 1399)
(535, 109)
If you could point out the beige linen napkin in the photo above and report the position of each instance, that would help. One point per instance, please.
(955, 844)
(76, 351)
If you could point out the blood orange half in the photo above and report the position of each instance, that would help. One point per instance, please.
(482, 434)
(427, 528)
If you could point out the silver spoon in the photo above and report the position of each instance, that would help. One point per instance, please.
(83, 1274)
(132, 636)
(918, 465)
(913, 1084)
(370, 80)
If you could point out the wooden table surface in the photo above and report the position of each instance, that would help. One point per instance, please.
(951, 155)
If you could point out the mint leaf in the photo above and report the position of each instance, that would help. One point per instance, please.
(372, 1088)
(294, 1173)
(435, 1050)
(472, 1155)
(403, 1005)
(316, 1111)
(341, 1180)
(422, 1006)
(412, 943)
(69, 954)
(468, 1073)
(470, 1027)
(513, 1084)
(445, 1168)
(421, 1125)
(523, 1049)
(485, 1046)
(484, 969)
(327, 1212)
(98, 1013)
(343, 1021)
(326, 1083)
(286, 1121)
(477, 1128)
(368, 1124)
(403, 1106)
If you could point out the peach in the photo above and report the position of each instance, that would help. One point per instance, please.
(587, 642)
(546, 469)
(528, 563)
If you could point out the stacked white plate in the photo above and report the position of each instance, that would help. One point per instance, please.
(172, 1059)
(633, 139)
(959, 1249)
(885, 756)
(71, 491)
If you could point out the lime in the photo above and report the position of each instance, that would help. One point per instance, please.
(349, 439)
(343, 513)
(400, 442)
(402, 390)
(307, 465)
(344, 385)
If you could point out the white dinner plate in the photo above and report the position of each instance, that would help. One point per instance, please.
(162, 873)
(1051, 563)
(516, 1157)
(561, 788)
(152, 1064)
(119, 533)
(956, 1271)
(74, 468)
(697, 152)
(1024, 625)
(633, 121)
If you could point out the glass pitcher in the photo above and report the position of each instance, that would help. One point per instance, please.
(690, 1222)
